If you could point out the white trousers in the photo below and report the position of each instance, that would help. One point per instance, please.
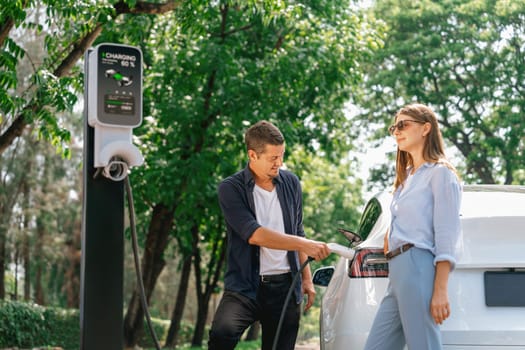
(404, 314)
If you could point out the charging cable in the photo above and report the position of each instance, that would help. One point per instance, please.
(117, 170)
(121, 173)
(287, 301)
(340, 250)
(135, 245)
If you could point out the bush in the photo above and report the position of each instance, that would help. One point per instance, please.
(25, 325)
(22, 325)
(28, 325)
(63, 328)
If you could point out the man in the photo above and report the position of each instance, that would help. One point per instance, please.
(262, 205)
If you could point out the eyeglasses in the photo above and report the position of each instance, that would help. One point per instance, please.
(400, 125)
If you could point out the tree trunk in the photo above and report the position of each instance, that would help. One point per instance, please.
(26, 259)
(72, 280)
(214, 269)
(3, 236)
(39, 260)
(178, 310)
(17, 258)
(202, 315)
(152, 264)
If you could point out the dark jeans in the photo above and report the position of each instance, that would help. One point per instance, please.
(236, 313)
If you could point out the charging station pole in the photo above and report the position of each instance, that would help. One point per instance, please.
(101, 298)
(112, 107)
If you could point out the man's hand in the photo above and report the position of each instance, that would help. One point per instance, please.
(309, 290)
(316, 250)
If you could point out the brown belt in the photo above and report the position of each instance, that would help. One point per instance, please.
(393, 253)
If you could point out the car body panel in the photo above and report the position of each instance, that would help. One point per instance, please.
(363, 295)
(481, 237)
(493, 224)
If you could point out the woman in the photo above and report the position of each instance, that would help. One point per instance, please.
(424, 239)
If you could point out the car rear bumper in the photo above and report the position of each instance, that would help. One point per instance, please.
(482, 347)
(484, 339)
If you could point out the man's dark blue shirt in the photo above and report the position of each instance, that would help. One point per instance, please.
(238, 207)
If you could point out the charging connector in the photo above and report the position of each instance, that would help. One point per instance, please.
(341, 250)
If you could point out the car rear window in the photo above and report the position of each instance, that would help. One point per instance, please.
(369, 218)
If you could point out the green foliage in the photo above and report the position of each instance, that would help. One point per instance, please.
(12, 10)
(465, 59)
(30, 325)
(249, 345)
(242, 345)
(21, 325)
(63, 327)
(331, 197)
(211, 69)
(205, 87)
(161, 331)
(26, 325)
(9, 56)
(39, 94)
(208, 77)
(160, 327)
(309, 325)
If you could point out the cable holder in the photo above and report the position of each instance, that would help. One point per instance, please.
(116, 170)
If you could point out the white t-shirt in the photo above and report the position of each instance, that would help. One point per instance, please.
(269, 214)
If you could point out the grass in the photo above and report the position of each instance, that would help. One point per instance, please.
(244, 345)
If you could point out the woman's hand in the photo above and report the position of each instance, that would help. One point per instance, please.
(385, 243)
(439, 304)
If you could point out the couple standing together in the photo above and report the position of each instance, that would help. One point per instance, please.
(262, 206)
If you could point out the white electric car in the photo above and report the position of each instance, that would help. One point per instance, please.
(486, 290)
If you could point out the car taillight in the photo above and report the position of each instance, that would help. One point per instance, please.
(369, 262)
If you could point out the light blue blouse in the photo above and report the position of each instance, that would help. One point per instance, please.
(425, 212)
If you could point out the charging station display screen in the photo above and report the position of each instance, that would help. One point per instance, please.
(117, 104)
(119, 85)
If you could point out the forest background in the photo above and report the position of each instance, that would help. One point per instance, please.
(330, 74)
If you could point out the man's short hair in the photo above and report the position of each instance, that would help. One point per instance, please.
(261, 134)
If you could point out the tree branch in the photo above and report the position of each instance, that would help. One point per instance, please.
(146, 7)
(16, 129)
(7, 25)
(78, 48)
(5, 28)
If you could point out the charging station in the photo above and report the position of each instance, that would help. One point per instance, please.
(112, 108)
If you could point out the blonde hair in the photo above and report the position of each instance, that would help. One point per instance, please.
(433, 148)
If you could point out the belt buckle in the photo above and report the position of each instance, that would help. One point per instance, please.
(393, 253)
(264, 279)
